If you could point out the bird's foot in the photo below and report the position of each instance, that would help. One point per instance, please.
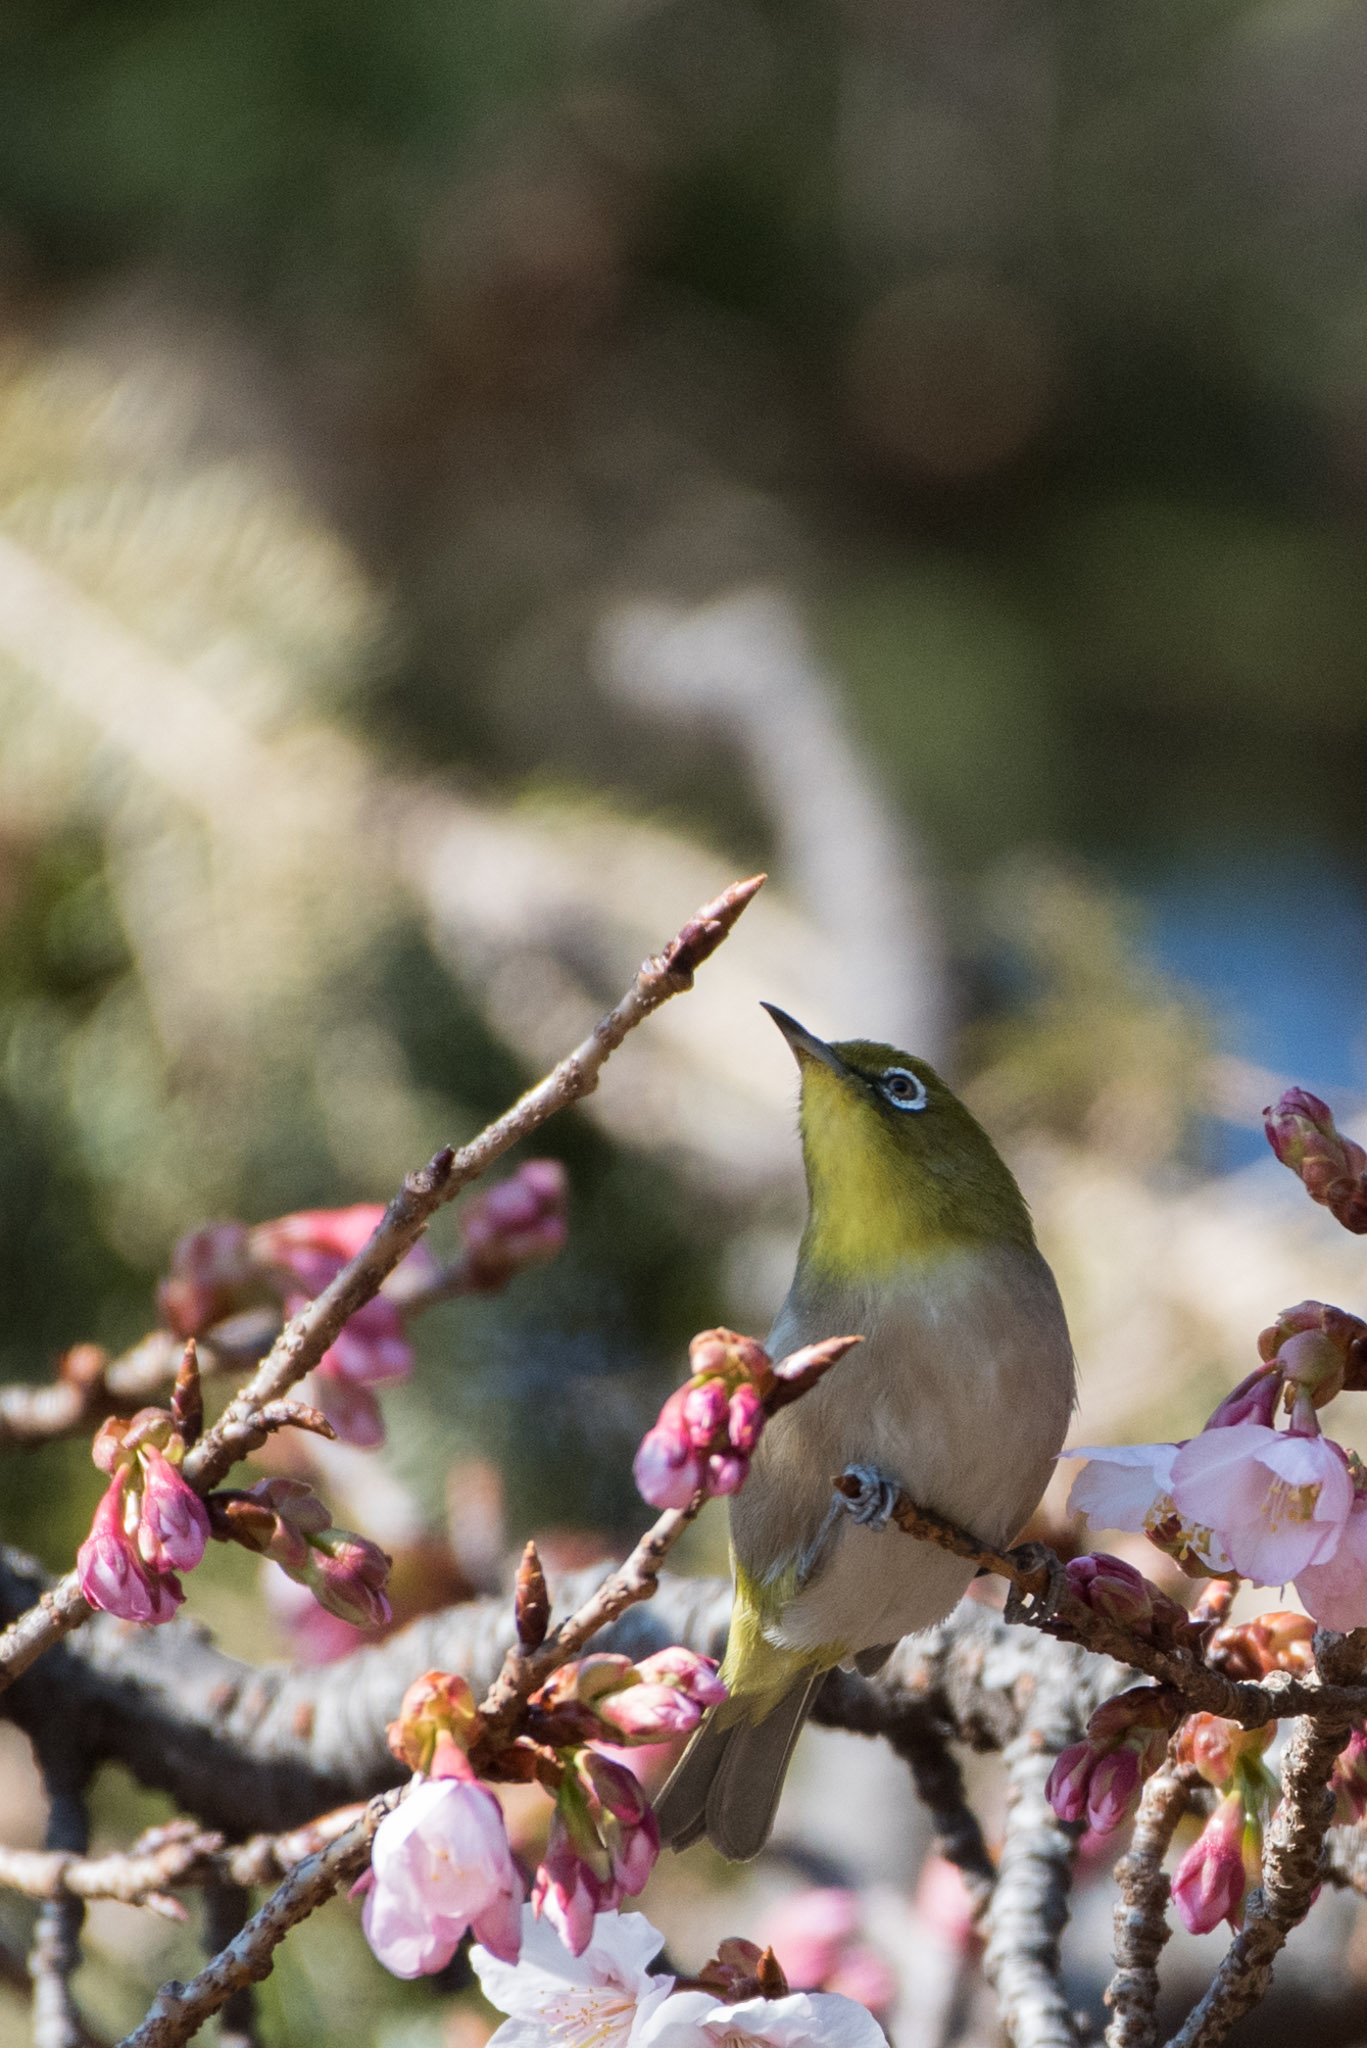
(1037, 1609)
(871, 1507)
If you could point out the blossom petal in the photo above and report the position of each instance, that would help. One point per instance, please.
(1276, 1502)
(1334, 1590)
(1119, 1486)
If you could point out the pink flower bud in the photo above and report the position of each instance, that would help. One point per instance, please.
(348, 1575)
(518, 1223)
(745, 1418)
(1301, 1131)
(1209, 1883)
(726, 1474)
(650, 1713)
(567, 1891)
(1216, 1746)
(173, 1527)
(211, 1268)
(1111, 1587)
(1113, 1790)
(438, 1706)
(112, 1575)
(1066, 1789)
(704, 1410)
(694, 1675)
(667, 1471)
(1253, 1400)
(1349, 1782)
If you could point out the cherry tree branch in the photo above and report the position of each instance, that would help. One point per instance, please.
(308, 1335)
(1141, 1927)
(179, 2010)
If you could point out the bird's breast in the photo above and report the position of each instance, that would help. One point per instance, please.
(961, 1393)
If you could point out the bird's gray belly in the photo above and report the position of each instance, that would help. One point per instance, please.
(961, 1394)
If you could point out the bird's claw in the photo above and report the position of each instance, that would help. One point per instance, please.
(872, 1506)
(1037, 1609)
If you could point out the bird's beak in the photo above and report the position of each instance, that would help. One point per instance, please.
(804, 1045)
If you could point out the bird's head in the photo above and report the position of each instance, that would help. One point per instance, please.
(897, 1168)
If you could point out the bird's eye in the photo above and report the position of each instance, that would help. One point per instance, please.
(902, 1089)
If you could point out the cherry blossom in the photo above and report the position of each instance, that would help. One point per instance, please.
(804, 2019)
(441, 1864)
(1334, 1587)
(557, 2000)
(1276, 1502)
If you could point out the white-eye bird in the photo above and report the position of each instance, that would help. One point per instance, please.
(918, 1237)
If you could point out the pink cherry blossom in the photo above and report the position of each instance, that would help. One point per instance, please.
(805, 2019)
(173, 1526)
(1334, 1588)
(1113, 1790)
(597, 1999)
(1122, 1486)
(1209, 1883)
(441, 1864)
(112, 1575)
(1276, 1502)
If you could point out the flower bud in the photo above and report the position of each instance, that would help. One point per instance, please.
(1253, 1400)
(348, 1575)
(518, 1223)
(745, 1418)
(1113, 1790)
(532, 1602)
(694, 1675)
(1066, 1789)
(1209, 1883)
(650, 1713)
(1301, 1131)
(1271, 1642)
(1349, 1781)
(173, 1526)
(110, 1569)
(438, 1705)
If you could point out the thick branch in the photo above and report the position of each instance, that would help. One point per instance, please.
(1029, 1906)
(1141, 1927)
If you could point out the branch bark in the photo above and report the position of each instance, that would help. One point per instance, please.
(1141, 1927)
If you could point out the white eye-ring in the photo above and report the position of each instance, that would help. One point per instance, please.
(902, 1089)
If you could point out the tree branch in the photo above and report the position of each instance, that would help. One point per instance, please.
(303, 1340)
(179, 2010)
(1141, 1928)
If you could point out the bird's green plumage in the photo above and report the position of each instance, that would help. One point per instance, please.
(757, 1672)
(887, 1187)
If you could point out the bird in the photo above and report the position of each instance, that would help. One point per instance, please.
(918, 1238)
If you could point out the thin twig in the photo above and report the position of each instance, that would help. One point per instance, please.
(179, 2010)
(1141, 1927)
(167, 1858)
(1293, 1859)
(303, 1341)
(89, 1386)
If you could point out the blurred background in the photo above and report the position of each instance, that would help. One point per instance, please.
(473, 479)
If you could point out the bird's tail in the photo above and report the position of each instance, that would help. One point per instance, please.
(726, 1784)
